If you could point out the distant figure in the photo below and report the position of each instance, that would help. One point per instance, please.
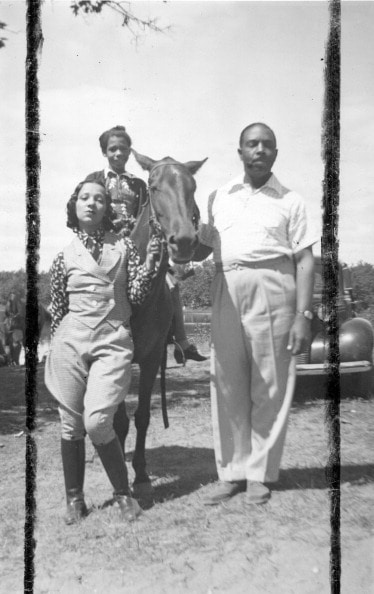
(14, 327)
(3, 355)
(128, 194)
(261, 316)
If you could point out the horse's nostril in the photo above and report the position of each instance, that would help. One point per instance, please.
(172, 240)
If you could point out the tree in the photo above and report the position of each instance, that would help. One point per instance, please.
(15, 280)
(12, 281)
(123, 9)
(363, 283)
(195, 291)
(3, 27)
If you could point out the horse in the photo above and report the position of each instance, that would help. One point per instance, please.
(171, 214)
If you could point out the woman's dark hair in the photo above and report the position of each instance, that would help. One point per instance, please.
(72, 219)
(116, 131)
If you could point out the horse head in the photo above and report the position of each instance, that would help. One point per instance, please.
(172, 201)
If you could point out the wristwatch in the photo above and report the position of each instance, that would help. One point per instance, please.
(307, 314)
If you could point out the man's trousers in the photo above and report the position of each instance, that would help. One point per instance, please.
(251, 367)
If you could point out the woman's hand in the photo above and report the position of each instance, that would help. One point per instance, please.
(153, 254)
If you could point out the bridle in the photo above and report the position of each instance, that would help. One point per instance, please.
(153, 220)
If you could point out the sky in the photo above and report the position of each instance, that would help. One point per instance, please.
(187, 92)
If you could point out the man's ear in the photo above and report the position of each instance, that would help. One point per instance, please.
(240, 152)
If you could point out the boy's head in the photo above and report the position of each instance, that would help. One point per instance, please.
(119, 131)
(116, 147)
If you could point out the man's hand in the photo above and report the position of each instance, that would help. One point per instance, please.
(300, 335)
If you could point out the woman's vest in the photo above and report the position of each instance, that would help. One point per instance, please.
(98, 292)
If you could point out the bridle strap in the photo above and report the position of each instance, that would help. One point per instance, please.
(154, 222)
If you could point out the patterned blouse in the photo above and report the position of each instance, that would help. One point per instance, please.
(128, 193)
(139, 279)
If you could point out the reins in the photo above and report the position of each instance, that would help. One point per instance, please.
(155, 226)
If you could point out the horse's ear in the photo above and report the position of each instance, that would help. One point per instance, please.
(194, 166)
(145, 162)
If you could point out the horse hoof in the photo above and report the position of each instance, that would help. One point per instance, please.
(142, 490)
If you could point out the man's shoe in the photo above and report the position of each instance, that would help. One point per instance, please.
(224, 491)
(191, 352)
(130, 508)
(256, 493)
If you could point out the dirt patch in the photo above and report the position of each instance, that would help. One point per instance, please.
(179, 545)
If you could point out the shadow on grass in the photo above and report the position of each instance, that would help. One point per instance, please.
(178, 471)
(315, 478)
(13, 400)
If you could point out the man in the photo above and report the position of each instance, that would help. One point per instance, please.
(129, 194)
(262, 295)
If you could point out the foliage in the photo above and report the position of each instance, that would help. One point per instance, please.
(368, 314)
(363, 283)
(2, 39)
(195, 291)
(16, 281)
(129, 19)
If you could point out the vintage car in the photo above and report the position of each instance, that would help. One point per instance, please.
(355, 334)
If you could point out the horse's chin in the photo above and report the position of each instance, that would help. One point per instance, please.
(180, 260)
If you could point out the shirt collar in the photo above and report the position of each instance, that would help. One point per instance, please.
(108, 172)
(239, 184)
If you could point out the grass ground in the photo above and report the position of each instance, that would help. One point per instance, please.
(178, 545)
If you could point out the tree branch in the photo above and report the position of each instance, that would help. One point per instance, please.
(122, 8)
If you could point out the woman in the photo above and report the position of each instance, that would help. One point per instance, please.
(94, 280)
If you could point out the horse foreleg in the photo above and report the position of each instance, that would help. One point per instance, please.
(148, 372)
(121, 424)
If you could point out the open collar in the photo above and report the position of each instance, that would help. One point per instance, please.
(110, 255)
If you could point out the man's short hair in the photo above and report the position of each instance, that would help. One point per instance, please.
(116, 131)
(250, 126)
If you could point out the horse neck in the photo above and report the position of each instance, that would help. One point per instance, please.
(141, 233)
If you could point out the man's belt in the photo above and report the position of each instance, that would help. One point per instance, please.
(273, 263)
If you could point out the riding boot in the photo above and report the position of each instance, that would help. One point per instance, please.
(121, 424)
(113, 460)
(73, 462)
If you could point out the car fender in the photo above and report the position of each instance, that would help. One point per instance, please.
(355, 342)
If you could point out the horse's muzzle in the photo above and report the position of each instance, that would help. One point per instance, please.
(181, 247)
